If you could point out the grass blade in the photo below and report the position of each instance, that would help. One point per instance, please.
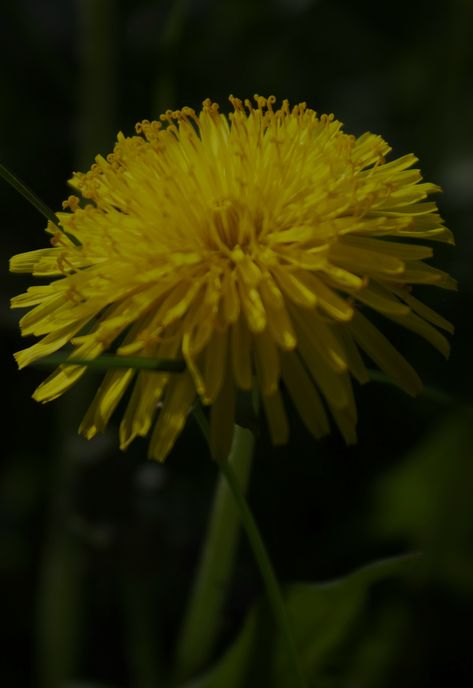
(34, 199)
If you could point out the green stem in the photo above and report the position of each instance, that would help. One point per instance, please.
(267, 572)
(114, 361)
(33, 198)
(263, 561)
(27, 193)
(202, 622)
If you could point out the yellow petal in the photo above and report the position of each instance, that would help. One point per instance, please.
(321, 338)
(390, 248)
(48, 344)
(215, 366)
(346, 419)
(230, 298)
(304, 395)
(427, 313)
(178, 400)
(253, 308)
(294, 287)
(381, 300)
(267, 362)
(105, 402)
(341, 278)
(421, 273)
(58, 383)
(327, 299)
(329, 382)
(382, 352)
(42, 262)
(36, 295)
(142, 406)
(352, 356)
(360, 259)
(412, 322)
(276, 417)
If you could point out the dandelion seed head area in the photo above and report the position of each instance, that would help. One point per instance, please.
(253, 245)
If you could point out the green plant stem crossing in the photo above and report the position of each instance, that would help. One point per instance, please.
(202, 621)
(273, 589)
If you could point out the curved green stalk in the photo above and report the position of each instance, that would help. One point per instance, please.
(202, 621)
(263, 561)
(114, 361)
(28, 194)
(267, 573)
(34, 200)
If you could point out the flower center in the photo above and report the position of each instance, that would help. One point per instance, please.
(232, 224)
(226, 216)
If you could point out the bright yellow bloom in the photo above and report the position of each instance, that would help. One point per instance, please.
(252, 245)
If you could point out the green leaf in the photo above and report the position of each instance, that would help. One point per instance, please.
(322, 616)
(428, 499)
(109, 361)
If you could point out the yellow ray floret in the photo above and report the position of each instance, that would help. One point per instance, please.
(251, 244)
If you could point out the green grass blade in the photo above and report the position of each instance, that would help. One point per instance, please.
(34, 199)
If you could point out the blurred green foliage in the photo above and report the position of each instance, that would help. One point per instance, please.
(322, 616)
(97, 548)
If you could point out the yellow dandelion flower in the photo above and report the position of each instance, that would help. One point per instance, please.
(251, 245)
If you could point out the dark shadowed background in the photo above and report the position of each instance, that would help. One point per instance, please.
(97, 547)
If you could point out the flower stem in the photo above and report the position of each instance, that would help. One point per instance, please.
(267, 573)
(202, 622)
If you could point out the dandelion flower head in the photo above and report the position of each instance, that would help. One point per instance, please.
(253, 246)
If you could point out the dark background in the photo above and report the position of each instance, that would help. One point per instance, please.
(97, 548)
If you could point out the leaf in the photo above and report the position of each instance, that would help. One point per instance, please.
(428, 499)
(321, 614)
